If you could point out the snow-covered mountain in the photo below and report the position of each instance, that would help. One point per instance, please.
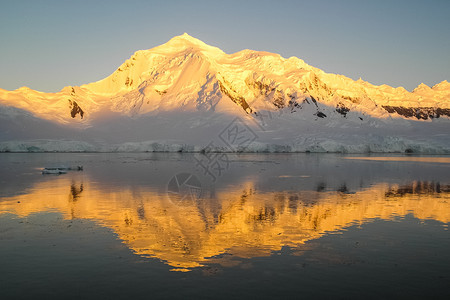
(186, 95)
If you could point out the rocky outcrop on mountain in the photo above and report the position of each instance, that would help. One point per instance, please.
(75, 109)
(420, 113)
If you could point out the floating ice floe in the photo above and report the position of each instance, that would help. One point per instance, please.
(61, 170)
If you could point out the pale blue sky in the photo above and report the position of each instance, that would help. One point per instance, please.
(47, 45)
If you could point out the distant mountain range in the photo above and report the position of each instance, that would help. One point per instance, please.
(188, 96)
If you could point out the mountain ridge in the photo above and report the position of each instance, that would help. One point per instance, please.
(185, 76)
(149, 65)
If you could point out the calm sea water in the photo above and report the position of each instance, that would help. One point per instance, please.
(225, 226)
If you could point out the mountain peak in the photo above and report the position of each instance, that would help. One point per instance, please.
(442, 85)
(187, 39)
(184, 41)
(421, 87)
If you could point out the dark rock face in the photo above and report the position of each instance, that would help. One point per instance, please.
(226, 89)
(353, 100)
(75, 109)
(321, 114)
(276, 95)
(314, 86)
(260, 87)
(128, 81)
(418, 112)
(342, 109)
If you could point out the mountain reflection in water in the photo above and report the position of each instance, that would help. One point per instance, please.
(242, 219)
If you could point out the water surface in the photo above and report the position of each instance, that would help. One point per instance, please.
(225, 225)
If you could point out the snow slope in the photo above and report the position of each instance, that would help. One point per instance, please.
(185, 95)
